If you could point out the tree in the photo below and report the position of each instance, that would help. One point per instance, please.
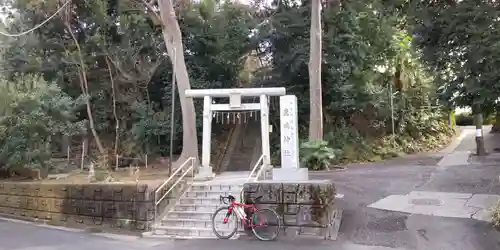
(82, 75)
(129, 56)
(33, 112)
(459, 39)
(315, 89)
(173, 40)
(121, 34)
(172, 36)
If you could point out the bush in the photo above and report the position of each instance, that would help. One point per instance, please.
(316, 155)
(491, 119)
(464, 119)
(495, 215)
(467, 119)
(32, 112)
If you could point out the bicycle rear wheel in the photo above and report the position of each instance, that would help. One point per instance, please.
(266, 224)
(229, 226)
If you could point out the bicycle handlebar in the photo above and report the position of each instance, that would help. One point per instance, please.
(229, 198)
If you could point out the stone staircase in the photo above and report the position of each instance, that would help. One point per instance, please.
(190, 217)
(245, 152)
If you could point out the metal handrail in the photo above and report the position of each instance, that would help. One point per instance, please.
(257, 164)
(261, 159)
(157, 191)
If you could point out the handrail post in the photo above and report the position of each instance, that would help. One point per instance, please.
(155, 212)
(157, 200)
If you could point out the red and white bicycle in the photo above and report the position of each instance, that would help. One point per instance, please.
(265, 223)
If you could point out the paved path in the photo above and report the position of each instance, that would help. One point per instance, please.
(363, 227)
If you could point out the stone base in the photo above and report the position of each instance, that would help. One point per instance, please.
(204, 174)
(290, 174)
(96, 207)
(306, 208)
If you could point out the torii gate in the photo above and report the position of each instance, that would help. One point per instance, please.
(205, 171)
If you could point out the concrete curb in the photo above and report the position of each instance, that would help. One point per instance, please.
(43, 224)
(37, 223)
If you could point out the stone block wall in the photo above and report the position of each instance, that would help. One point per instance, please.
(127, 207)
(305, 208)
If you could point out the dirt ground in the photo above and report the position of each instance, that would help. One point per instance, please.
(140, 175)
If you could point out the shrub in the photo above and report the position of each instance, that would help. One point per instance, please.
(467, 119)
(491, 119)
(316, 155)
(32, 112)
(495, 215)
(464, 119)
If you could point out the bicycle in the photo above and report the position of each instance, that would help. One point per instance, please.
(256, 219)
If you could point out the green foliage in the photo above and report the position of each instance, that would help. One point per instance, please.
(147, 128)
(490, 119)
(459, 41)
(423, 131)
(316, 155)
(453, 119)
(34, 111)
(372, 71)
(495, 215)
(467, 119)
(464, 119)
(217, 41)
(368, 58)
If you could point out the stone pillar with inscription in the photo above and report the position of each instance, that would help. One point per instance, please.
(290, 164)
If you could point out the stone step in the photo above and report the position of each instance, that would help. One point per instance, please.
(216, 187)
(197, 232)
(189, 215)
(196, 223)
(161, 235)
(196, 208)
(208, 194)
(187, 223)
(198, 201)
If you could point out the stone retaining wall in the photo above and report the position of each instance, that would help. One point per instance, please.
(105, 206)
(305, 208)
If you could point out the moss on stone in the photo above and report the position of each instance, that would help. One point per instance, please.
(321, 197)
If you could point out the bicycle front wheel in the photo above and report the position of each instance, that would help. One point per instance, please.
(224, 225)
(266, 224)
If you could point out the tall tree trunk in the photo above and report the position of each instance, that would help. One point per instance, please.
(117, 122)
(478, 122)
(84, 86)
(175, 49)
(315, 92)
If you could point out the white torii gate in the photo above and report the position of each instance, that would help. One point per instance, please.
(205, 172)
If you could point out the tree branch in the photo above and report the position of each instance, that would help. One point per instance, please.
(85, 88)
(117, 121)
(150, 7)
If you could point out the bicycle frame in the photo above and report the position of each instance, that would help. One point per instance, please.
(238, 207)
